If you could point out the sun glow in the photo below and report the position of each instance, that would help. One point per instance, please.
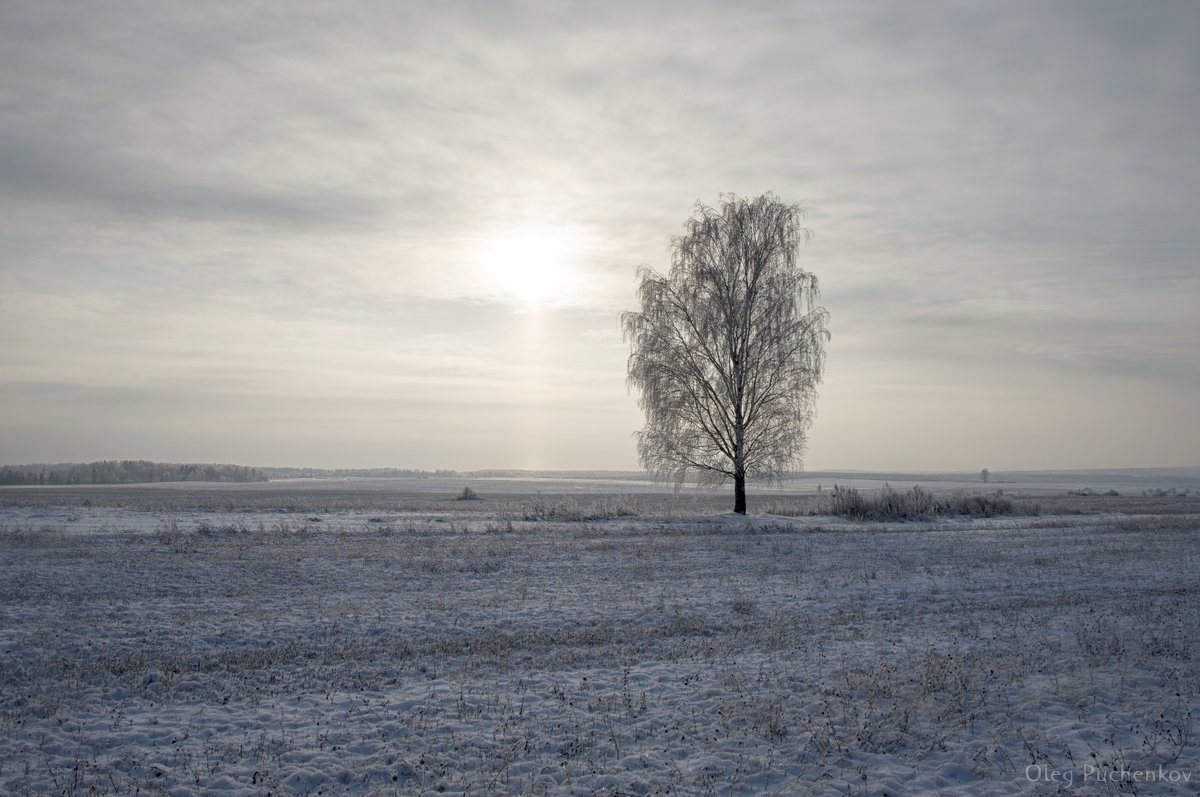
(531, 266)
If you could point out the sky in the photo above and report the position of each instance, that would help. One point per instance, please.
(368, 234)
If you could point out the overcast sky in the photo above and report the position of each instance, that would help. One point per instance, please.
(401, 233)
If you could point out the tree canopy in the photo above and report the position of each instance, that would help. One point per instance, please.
(728, 347)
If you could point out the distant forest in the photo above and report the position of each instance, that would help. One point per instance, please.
(127, 472)
(355, 473)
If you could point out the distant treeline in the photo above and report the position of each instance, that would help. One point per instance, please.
(518, 473)
(127, 472)
(444, 473)
(356, 473)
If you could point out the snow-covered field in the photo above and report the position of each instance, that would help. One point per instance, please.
(215, 641)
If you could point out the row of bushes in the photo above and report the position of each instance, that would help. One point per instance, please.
(915, 504)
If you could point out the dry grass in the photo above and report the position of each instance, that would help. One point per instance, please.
(889, 504)
(385, 652)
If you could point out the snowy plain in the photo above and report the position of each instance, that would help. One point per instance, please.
(576, 638)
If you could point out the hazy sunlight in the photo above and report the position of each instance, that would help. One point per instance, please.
(532, 266)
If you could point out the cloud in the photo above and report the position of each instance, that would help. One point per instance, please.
(251, 203)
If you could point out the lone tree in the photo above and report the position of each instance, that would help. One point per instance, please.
(728, 348)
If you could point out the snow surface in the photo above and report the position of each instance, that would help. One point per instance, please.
(330, 650)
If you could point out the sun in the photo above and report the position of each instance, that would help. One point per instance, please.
(532, 266)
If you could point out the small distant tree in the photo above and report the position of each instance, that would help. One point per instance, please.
(728, 347)
(984, 475)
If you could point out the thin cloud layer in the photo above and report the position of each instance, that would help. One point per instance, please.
(258, 235)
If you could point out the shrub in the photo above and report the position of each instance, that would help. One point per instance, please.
(915, 504)
(981, 505)
(467, 494)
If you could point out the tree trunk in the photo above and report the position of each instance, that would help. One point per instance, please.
(739, 493)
